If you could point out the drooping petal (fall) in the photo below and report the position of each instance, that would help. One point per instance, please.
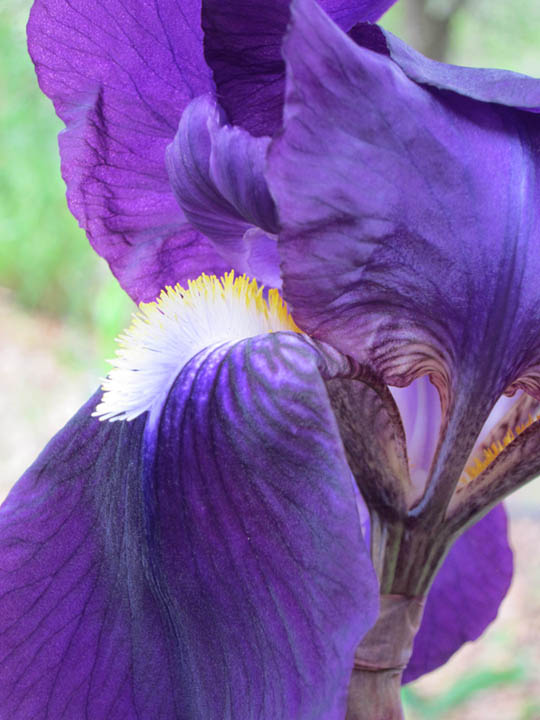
(120, 74)
(466, 594)
(209, 564)
(410, 217)
(217, 174)
(242, 44)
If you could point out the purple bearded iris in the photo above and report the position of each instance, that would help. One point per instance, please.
(203, 556)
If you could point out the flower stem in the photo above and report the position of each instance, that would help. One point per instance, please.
(381, 657)
(374, 696)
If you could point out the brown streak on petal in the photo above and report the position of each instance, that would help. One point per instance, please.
(514, 467)
(518, 414)
(374, 440)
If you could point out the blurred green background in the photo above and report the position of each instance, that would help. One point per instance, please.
(45, 258)
(60, 310)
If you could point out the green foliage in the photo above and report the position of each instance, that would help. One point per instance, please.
(483, 33)
(460, 692)
(497, 34)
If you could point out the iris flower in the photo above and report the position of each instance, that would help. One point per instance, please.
(193, 543)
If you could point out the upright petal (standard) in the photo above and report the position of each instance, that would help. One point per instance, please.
(409, 214)
(120, 74)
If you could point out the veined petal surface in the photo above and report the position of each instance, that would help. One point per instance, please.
(209, 564)
(410, 218)
(374, 442)
(505, 459)
(120, 74)
(242, 45)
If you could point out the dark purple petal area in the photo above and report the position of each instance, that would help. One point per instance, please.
(209, 566)
(217, 174)
(242, 45)
(410, 216)
(120, 74)
(75, 603)
(466, 594)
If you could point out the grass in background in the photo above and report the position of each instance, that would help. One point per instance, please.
(45, 258)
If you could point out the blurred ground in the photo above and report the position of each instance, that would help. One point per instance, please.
(42, 380)
(46, 373)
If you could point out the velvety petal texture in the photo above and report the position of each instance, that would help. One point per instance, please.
(410, 216)
(242, 45)
(217, 174)
(120, 74)
(204, 566)
(465, 595)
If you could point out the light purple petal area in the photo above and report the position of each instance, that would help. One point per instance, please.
(242, 45)
(420, 409)
(120, 74)
(488, 85)
(410, 218)
(211, 565)
(466, 594)
(217, 174)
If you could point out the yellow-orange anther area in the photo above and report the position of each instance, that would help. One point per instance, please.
(495, 449)
(181, 322)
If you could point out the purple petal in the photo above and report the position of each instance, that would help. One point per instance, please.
(209, 566)
(217, 174)
(120, 75)
(508, 416)
(488, 85)
(420, 409)
(75, 604)
(242, 45)
(410, 218)
(466, 594)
